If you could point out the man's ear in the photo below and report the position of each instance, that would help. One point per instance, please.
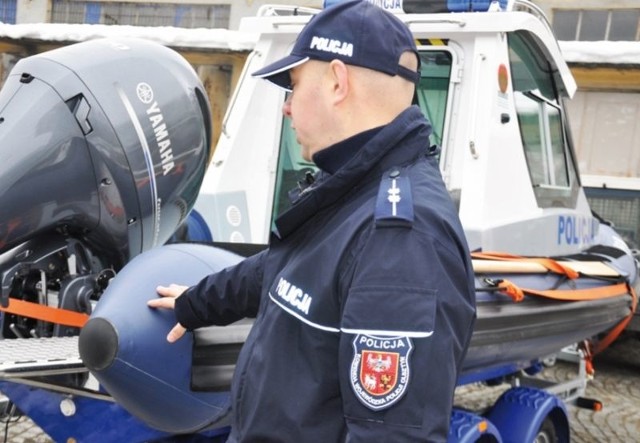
(339, 75)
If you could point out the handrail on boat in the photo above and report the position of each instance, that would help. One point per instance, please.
(277, 10)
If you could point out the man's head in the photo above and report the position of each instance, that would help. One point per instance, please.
(355, 32)
(353, 67)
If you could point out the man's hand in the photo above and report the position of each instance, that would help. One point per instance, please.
(168, 301)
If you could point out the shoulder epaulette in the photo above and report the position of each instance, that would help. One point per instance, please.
(394, 205)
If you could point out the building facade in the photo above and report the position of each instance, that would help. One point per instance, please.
(187, 14)
(584, 20)
(593, 20)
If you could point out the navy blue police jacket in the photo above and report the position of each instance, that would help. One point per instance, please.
(364, 303)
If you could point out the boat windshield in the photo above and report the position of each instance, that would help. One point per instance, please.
(432, 95)
(543, 129)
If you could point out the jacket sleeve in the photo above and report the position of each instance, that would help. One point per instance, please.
(407, 320)
(224, 297)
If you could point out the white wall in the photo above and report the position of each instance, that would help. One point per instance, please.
(248, 8)
(32, 11)
(606, 131)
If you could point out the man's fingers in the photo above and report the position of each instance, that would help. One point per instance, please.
(168, 296)
(176, 333)
(165, 302)
(172, 290)
(168, 300)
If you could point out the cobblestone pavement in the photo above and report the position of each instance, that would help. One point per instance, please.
(616, 385)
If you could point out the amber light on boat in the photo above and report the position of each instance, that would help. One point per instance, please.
(503, 78)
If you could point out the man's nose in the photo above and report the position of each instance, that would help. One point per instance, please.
(286, 107)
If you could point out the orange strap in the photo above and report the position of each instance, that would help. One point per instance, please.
(45, 313)
(615, 332)
(548, 263)
(513, 291)
(517, 293)
(582, 294)
(585, 345)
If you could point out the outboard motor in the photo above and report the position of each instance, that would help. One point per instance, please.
(104, 145)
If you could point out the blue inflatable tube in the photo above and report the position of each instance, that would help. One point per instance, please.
(124, 342)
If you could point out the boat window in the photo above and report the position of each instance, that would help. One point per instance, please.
(542, 126)
(542, 139)
(433, 89)
(291, 168)
(431, 94)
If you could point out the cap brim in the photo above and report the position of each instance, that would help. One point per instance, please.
(278, 72)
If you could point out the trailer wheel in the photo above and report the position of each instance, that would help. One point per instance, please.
(547, 432)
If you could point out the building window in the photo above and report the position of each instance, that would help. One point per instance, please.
(624, 25)
(8, 11)
(141, 14)
(595, 25)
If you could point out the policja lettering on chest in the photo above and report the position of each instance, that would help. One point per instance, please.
(294, 296)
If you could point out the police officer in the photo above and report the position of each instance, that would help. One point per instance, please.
(364, 301)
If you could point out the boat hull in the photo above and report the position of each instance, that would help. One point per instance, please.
(508, 335)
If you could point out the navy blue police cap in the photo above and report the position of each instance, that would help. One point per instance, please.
(355, 32)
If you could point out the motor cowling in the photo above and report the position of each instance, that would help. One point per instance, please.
(106, 141)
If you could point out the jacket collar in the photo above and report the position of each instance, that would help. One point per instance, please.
(385, 149)
(331, 159)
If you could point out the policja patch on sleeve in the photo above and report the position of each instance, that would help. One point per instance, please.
(380, 369)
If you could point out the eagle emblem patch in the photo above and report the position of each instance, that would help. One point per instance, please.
(380, 369)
